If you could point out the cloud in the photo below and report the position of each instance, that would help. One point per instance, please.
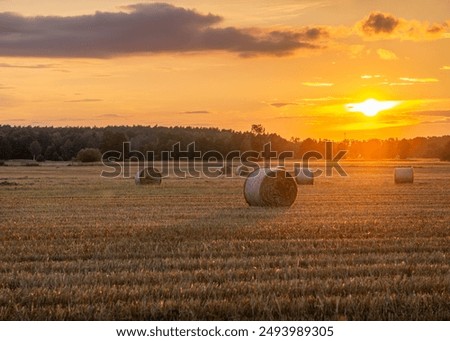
(142, 28)
(396, 83)
(370, 76)
(445, 67)
(386, 26)
(15, 120)
(317, 84)
(109, 116)
(441, 121)
(26, 66)
(379, 23)
(419, 80)
(282, 104)
(406, 81)
(84, 100)
(436, 113)
(325, 99)
(196, 112)
(386, 54)
(4, 87)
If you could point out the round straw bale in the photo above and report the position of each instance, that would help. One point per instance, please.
(303, 176)
(403, 175)
(148, 176)
(267, 187)
(242, 170)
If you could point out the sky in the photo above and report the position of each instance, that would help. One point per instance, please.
(329, 69)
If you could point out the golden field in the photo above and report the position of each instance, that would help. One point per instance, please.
(76, 246)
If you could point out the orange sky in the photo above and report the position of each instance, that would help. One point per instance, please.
(295, 67)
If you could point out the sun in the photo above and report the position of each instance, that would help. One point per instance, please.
(371, 107)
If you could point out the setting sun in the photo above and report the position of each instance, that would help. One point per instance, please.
(371, 107)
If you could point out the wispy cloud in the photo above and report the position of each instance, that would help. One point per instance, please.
(84, 100)
(436, 113)
(26, 66)
(325, 99)
(109, 116)
(445, 67)
(396, 83)
(419, 80)
(196, 112)
(386, 54)
(408, 81)
(143, 28)
(282, 104)
(317, 84)
(370, 76)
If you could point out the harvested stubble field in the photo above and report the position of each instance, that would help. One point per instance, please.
(75, 246)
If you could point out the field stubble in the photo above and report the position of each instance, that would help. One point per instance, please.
(75, 246)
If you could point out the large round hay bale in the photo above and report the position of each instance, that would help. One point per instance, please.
(403, 175)
(272, 188)
(242, 170)
(303, 176)
(148, 176)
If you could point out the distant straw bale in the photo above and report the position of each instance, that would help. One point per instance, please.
(403, 175)
(303, 176)
(148, 176)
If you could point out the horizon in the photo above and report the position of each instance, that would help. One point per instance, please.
(378, 70)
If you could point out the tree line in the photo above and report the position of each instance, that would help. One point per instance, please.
(65, 143)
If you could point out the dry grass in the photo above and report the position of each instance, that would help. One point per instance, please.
(76, 246)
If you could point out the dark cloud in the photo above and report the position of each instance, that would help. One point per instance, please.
(196, 112)
(142, 28)
(436, 28)
(379, 23)
(282, 104)
(315, 33)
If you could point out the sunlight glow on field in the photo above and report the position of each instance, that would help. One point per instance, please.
(371, 107)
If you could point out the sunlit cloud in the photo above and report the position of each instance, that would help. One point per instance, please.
(397, 83)
(317, 84)
(386, 54)
(370, 76)
(408, 81)
(445, 67)
(419, 80)
(324, 99)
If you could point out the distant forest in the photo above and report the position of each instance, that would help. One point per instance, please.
(64, 144)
